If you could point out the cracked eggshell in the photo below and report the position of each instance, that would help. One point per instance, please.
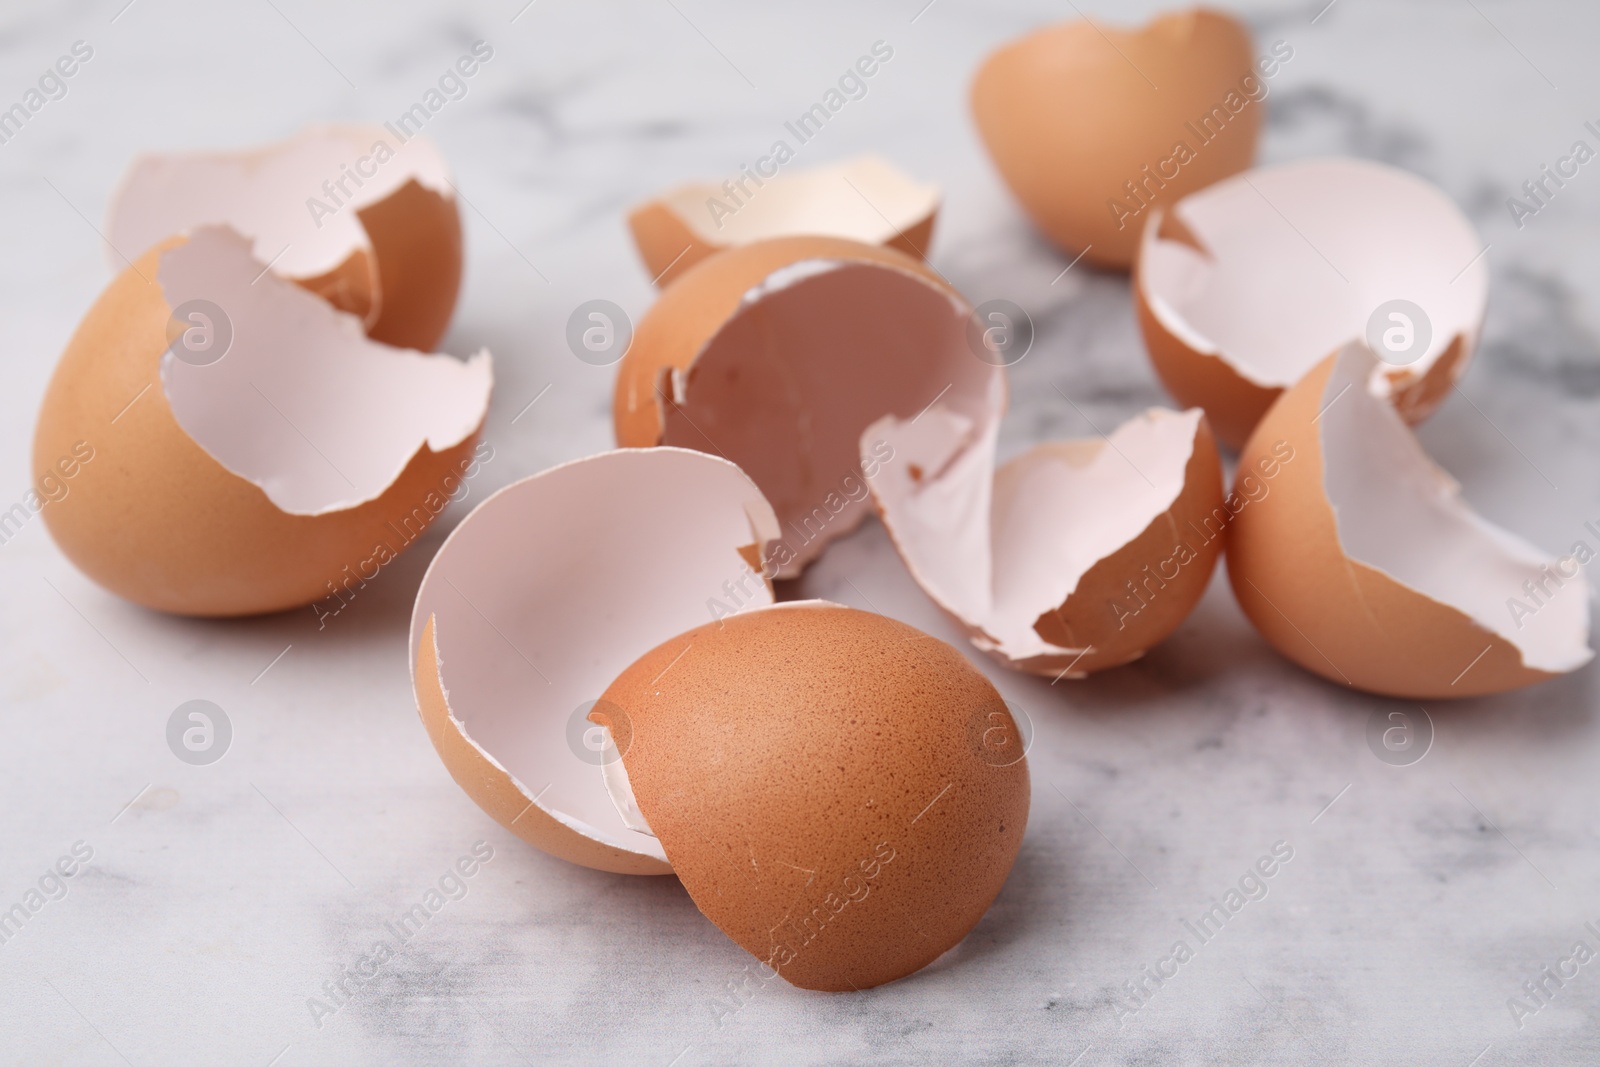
(826, 784)
(1074, 112)
(1243, 287)
(304, 458)
(863, 199)
(778, 354)
(545, 593)
(1071, 558)
(354, 214)
(1363, 564)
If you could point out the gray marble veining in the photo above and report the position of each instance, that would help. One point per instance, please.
(217, 900)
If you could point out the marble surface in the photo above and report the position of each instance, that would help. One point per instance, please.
(218, 899)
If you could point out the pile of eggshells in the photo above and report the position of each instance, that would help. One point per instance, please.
(840, 793)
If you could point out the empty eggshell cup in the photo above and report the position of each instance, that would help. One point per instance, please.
(862, 199)
(1364, 565)
(1073, 557)
(826, 782)
(777, 355)
(1243, 287)
(366, 220)
(252, 444)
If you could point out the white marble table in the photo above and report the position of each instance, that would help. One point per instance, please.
(1417, 901)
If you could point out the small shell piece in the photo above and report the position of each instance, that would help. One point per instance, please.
(778, 354)
(1363, 564)
(545, 593)
(862, 199)
(360, 215)
(1073, 557)
(1243, 287)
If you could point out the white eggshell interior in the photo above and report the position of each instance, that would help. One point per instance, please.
(1401, 514)
(302, 404)
(811, 357)
(999, 549)
(557, 583)
(1295, 258)
(266, 194)
(864, 199)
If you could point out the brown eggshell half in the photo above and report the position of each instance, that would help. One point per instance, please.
(1242, 287)
(355, 214)
(863, 199)
(1360, 562)
(545, 593)
(1071, 558)
(1083, 122)
(826, 784)
(778, 354)
(282, 473)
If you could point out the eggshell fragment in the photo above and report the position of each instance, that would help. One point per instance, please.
(1071, 558)
(1089, 124)
(821, 781)
(357, 215)
(261, 480)
(1363, 564)
(1243, 287)
(546, 592)
(778, 354)
(863, 199)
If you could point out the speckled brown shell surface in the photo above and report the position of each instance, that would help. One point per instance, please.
(842, 794)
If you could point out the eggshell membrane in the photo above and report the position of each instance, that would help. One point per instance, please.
(158, 519)
(816, 776)
(744, 356)
(1073, 557)
(1071, 112)
(390, 254)
(302, 403)
(1363, 564)
(546, 592)
(1244, 286)
(863, 199)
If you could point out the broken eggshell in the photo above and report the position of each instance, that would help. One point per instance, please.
(863, 199)
(1243, 287)
(841, 794)
(252, 447)
(1087, 123)
(778, 354)
(542, 596)
(1362, 563)
(357, 215)
(1071, 558)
